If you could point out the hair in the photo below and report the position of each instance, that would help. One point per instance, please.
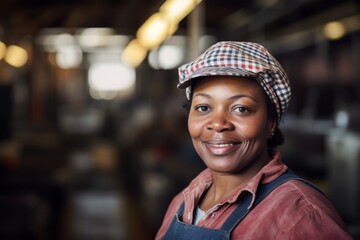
(276, 140)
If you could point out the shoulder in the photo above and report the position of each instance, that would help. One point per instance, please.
(300, 198)
(302, 195)
(293, 210)
(306, 212)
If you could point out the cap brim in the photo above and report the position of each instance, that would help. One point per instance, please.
(214, 71)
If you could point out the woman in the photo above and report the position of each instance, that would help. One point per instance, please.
(238, 93)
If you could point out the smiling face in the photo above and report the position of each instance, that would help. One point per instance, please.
(229, 124)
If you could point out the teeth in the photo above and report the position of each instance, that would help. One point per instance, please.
(223, 145)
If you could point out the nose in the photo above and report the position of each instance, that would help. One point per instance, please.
(219, 122)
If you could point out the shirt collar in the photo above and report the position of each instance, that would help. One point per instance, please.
(204, 180)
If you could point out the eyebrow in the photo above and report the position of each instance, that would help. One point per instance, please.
(235, 97)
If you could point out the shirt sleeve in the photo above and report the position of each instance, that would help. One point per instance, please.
(293, 211)
(311, 215)
(316, 225)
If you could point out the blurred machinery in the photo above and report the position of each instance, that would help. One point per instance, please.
(343, 151)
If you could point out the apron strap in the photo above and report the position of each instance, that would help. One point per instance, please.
(181, 209)
(263, 190)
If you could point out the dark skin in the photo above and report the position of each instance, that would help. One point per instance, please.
(229, 126)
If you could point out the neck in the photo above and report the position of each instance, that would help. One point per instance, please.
(225, 184)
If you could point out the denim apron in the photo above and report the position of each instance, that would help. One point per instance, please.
(179, 230)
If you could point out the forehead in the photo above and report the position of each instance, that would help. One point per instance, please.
(227, 85)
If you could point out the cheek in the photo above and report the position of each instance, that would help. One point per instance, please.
(194, 128)
(253, 129)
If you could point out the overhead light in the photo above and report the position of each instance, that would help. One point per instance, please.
(178, 9)
(159, 27)
(334, 30)
(68, 56)
(64, 39)
(108, 54)
(16, 56)
(2, 50)
(166, 57)
(134, 53)
(107, 80)
(91, 38)
(97, 32)
(170, 55)
(154, 31)
(111, 76)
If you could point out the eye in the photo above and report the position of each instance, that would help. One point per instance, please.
(240, 109)
(202, 108)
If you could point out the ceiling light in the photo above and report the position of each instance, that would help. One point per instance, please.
(134, 53)
(166, 57)
(111, 76)
(68, 56)
(16, 56)
(154, 31)
(170, 56)
(334, 30)
(178, 9)
(90, 38)
(63, 39)
(2, 50)
(97, 31)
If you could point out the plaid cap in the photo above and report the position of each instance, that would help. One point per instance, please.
(243, 59)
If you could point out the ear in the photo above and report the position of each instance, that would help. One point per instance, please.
(271, 128)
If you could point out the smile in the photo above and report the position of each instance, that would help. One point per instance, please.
(220, 149)
(222, 145)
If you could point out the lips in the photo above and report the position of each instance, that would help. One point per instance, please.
(220, 148)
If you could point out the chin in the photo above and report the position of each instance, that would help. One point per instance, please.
(224, 168)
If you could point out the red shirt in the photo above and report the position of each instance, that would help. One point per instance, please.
(292, 211)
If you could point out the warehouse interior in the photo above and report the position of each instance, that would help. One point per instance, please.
(94, 143)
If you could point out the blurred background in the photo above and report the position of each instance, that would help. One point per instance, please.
(93, 136)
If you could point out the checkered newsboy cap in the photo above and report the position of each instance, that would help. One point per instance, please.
(243, 59)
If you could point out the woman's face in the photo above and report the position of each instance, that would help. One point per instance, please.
(229, 124)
